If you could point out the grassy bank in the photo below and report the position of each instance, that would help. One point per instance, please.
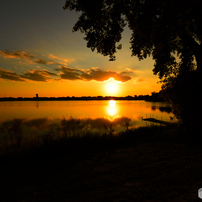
(146, 164)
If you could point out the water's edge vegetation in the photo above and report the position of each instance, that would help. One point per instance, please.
(147, 163)
(20, 134)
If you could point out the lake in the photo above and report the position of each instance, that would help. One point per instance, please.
(89, 115)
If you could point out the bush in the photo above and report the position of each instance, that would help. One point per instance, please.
(16, 132)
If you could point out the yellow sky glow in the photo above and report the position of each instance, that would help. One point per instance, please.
(44, 57)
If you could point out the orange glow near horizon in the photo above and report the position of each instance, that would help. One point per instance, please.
(76, 88)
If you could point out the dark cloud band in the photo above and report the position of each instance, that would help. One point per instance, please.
(65, 73)
(34, 75)
(10, 75)
(92, 74)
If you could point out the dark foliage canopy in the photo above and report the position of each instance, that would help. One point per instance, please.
(168, 30)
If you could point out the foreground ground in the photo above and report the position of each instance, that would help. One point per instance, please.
(146, 165)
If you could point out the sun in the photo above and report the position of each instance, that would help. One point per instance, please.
(111, 86)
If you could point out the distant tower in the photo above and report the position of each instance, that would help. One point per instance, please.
(37, 96)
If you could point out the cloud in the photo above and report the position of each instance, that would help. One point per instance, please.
(91, 74)
(65, 72)
(69, 73)
(100, 75)
(44, 62)
(40, 61)
(34, 75)
(131, 70)
(60, 60)
(38, 75)
(10, 75)
(51, 56)
(17, 54)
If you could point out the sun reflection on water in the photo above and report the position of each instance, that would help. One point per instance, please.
(112, 110)
(112, 103)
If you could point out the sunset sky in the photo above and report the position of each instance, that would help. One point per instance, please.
(40, 54)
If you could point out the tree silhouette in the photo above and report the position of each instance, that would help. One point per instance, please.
(183, 92)
(168, 30)
(164, 29)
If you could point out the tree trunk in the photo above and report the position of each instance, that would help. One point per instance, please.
(198, 57)
(195, 47)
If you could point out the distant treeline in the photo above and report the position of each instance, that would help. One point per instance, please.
(155, 97)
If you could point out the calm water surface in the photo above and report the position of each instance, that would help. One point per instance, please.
(94, 114)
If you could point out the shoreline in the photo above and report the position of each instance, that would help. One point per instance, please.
(80, 99)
